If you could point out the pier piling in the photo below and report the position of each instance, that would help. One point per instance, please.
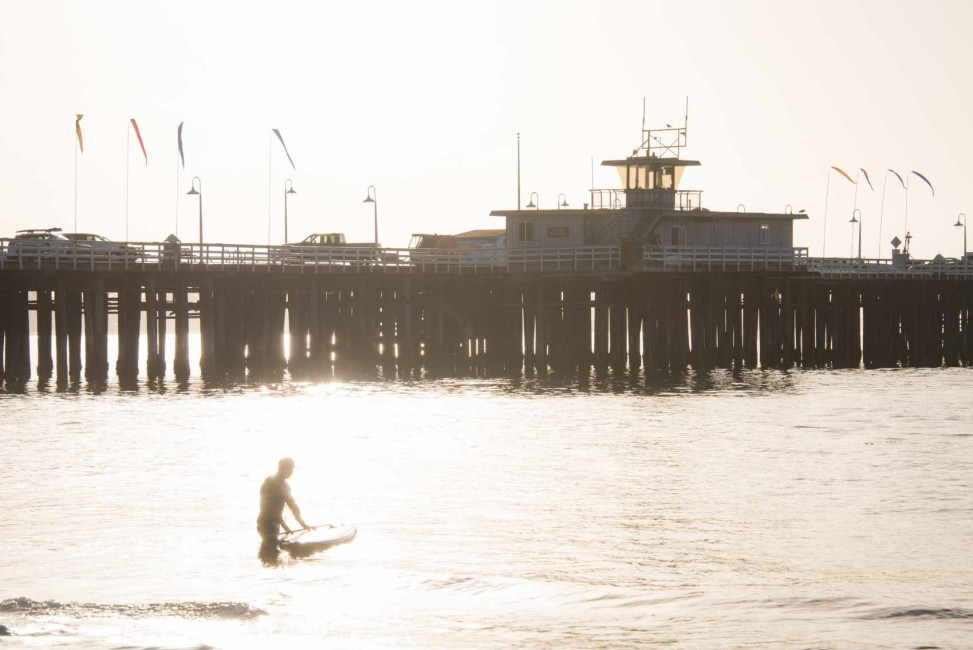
(410, 324)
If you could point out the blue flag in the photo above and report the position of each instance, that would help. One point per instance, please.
(277, 133)
(927, 182)
(898, 177)
(179, 140)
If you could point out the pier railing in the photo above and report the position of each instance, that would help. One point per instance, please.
(155, 256)
(585, 258)
(866, 268)
(615, 199)
(723, 258)
(16, 254)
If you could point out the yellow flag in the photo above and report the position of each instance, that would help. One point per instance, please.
(77, 127)
(842, 172)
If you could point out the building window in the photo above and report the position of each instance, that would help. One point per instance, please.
(525, 231)
(764, 234)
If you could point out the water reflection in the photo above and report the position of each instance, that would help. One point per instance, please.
(514, 379)
(619, 382)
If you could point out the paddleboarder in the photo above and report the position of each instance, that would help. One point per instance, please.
(275, 493)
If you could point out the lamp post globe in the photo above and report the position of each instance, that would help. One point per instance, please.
(197, 190)
(288, 189)
(371, 196)
(856, 217)
(961, 221)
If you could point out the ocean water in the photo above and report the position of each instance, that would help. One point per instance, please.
(810, 509)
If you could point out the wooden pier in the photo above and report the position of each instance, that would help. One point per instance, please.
(436, 315)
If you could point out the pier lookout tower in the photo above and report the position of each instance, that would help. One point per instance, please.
(651, 209)
(652, 174)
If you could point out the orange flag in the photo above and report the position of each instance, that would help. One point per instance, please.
(77, 127)
(139, 136)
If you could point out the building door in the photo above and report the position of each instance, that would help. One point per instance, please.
(590, 231)
(677, 235)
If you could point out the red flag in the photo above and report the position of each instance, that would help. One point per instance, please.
(139, 136)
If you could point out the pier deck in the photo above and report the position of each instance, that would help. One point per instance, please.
(505, 311)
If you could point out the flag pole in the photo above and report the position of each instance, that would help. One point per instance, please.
(592, 192)
(76, 184)
(851, 253)
(905, 227)
(176, 231)
(179, 160)
(881, 216)
(824, 235)
(518, 170)
(128, 142)
(270, 172)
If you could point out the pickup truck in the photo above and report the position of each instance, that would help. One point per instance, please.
(332, 249)
(331, 239)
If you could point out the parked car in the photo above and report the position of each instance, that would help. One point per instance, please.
(40, 244)
(330, 248)
(330, 239)
(472, 248)
(101, 245)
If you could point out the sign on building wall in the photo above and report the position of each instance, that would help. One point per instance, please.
(559, 231)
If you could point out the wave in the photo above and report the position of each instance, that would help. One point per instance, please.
(225, 610)
(922, 612)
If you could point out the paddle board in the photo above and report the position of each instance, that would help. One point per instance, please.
(318, 539)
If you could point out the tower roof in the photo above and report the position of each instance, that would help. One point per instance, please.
(650, 160)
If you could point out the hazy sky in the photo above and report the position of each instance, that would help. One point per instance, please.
(424, 100)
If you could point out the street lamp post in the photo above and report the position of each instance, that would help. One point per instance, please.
(531, 204)
(961, 221)
(856, 217)
(562, 201)
(371, 196)
(198, 192)
(288, 189)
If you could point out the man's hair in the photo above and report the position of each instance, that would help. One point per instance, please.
(285, 462)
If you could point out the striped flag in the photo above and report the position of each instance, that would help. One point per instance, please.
(139, 136)
(867, 179)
